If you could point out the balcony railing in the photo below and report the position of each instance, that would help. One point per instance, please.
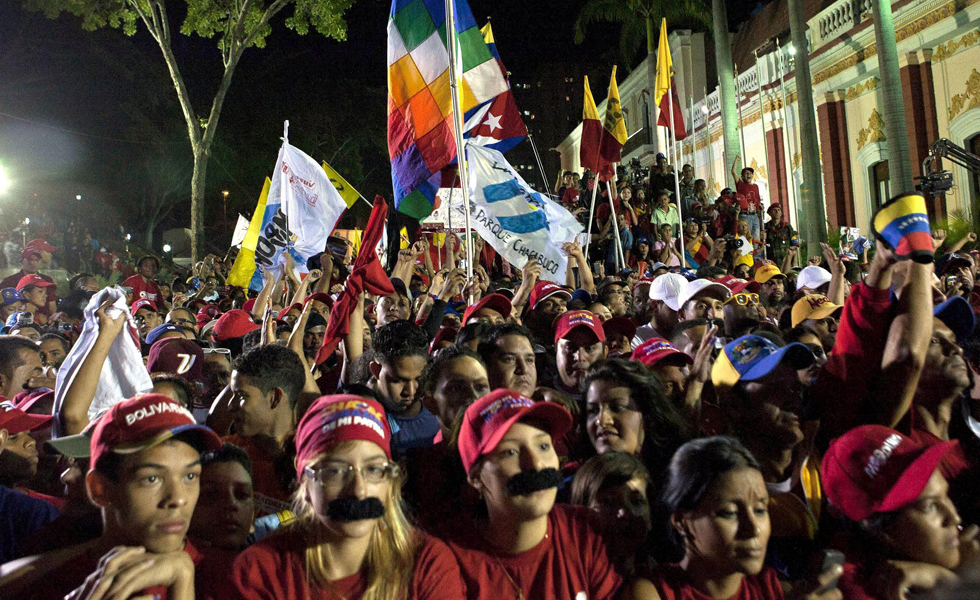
(640, 137)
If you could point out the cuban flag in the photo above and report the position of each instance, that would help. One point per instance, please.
(516, 221)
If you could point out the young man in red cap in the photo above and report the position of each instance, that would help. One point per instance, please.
(144, 288)
(146, 316)
(526, 546)
(579, 342)
(34, 289)
(20, 514)
(546, 303)
(230, 330)
(146, 461)
(30, 260)
(494, 309)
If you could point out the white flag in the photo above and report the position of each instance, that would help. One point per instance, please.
(518, 222)
(302, 209)
(241, 228)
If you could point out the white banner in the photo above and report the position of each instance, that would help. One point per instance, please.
(518, 222)
(241, 228)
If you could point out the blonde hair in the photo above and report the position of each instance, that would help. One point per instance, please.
(390, 558)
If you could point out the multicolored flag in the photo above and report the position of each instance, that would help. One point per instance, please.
(497, 124)
(421, 139)
(244, 267)
(592, 134)
(902, 224)
(665, 93)
(614, 136)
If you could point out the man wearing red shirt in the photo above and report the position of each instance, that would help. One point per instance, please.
(144, 288)
(526, 547)
(146, 458)
(30, 261)
(752, 210)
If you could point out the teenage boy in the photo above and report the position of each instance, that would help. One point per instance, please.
(146, 457)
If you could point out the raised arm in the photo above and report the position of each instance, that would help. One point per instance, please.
(836, 290)
(585, 272)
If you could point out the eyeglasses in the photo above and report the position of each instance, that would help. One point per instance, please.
(339, 474)
(216, 351)
(744, 299)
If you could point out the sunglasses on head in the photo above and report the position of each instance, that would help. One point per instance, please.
(744, 299)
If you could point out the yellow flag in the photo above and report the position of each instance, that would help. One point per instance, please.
(244, 267)
(346, 190)
(405, 242)
(487, 33)
(665, 67)
(614, 122)
(589, 111)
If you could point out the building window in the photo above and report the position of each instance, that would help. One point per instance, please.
(878, 173)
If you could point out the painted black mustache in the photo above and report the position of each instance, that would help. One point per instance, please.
(528, 482)
(352, 509)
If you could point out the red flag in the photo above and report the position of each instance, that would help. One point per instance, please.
(680, 132)
(367, 273)
(592, 131)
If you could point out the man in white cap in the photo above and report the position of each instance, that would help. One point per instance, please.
(663, 308)
(813, 280)
(702, 299)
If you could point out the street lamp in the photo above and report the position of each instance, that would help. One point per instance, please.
(78, 196)
(791, 49)
(128, 237)
(166, 248)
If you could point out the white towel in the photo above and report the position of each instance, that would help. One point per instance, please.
(123, 374)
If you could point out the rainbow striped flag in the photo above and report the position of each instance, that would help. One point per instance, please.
(903, 225)
(421, 139)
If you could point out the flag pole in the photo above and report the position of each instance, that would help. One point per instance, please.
(458, 128)
(595, 190)
(537, 157)
(787, 151)
(765, 145)
(620, 258)
(694, 139)
(741, 127)
(677, 181)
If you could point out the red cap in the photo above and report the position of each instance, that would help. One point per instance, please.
(28, 398)
(332, 420)
(545, 289)
(487, 421)
(34, 279)
(620, 325)
(495, 302)
(444, 334)
(872, 469)
(737, 285)
(15, 421)
(233, 324)
(144, 421)
(249, 305)
(282, 313)
(655, 350)
(568, 321)
(177, 356)
(143, 303)
(322, 297)
(208, 312)
(40, 244)
(29, 251)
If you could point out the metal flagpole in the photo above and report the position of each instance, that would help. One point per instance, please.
(537, 157)
(741, 128)
(765, 142)
(790, 181)
(458, 127)
(694, 139)
(677, 185)
(595, 190)
(620, 258)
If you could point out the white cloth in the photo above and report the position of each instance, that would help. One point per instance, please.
(123, 374)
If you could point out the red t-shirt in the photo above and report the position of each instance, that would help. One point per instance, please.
(753, 201)
(673, 584)
(144, 290)
(270, 496)
(571, 562)
(275, 569)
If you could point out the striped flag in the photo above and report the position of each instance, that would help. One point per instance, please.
(614, 124)
(591, 134)
(498, 123)
(903, 225)
(421, 141)
(516, 221)
(244, 267)
(666, 92)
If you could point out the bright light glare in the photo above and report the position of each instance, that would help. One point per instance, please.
(4, 182)
(27, 221)
(128, 237)
(166, 247)
(78, 197)
(704, 109)
(791, 49)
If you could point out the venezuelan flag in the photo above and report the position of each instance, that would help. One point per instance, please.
(903, 225)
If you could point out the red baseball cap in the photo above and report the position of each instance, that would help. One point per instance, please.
(144, 421)
(445, 334)
(543, 290)
(332, 420)
(29, 251)
(568, 321)
(177, 356)
(34, 279)
(487, 421)
(873, 469)
(15, 421)
(141, 304)
(249, 305)
(737, 285)
(233, 324)
(282, 313)
(208, 312)
(495, 302)
(655, 350)
(322, 297)
(28, 398)
(41, 245)
(621, 325)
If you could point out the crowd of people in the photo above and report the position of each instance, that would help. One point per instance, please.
(718, 418)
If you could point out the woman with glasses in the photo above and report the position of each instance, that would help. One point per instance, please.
(351, 538)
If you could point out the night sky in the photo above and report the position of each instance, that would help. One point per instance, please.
(54, 76)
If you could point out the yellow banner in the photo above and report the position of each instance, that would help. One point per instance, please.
(614, 122)
(244, 267)
(346, 190)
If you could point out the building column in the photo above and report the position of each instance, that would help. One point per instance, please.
(836, 158)
(920, 116)
(777, 177)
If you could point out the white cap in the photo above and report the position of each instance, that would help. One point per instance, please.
(666, 288)
(812, 277)
(702, 286)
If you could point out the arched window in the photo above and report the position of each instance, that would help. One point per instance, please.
(878, 176)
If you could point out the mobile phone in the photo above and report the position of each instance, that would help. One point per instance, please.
(830, 559)
(65, 327)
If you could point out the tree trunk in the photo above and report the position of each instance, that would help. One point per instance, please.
(892, 100)
(198, 180)
(813, 225)
(726, 83)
